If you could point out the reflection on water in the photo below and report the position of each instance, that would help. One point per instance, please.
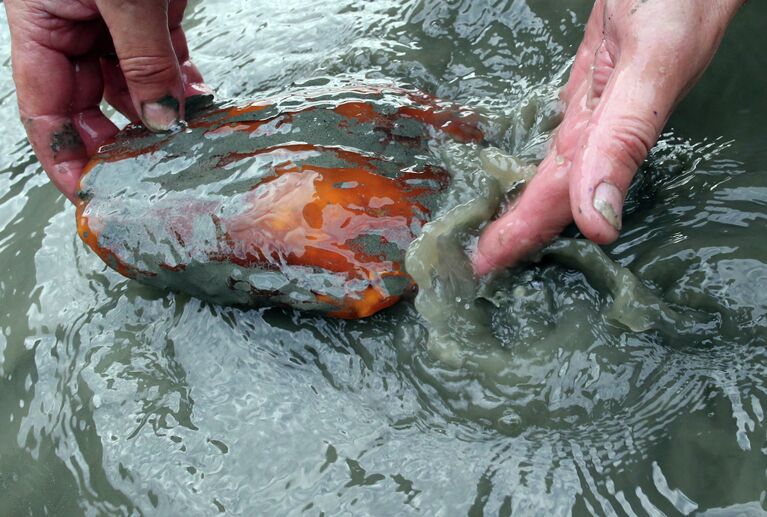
(119, 399)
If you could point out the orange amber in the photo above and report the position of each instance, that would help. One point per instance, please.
(307, 200)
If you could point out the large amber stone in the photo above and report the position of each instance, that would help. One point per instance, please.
(307, 200)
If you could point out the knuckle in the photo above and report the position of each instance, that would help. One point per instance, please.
(631, 139)
(149, 69)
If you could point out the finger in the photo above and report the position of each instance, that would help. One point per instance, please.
(94, 128)
(193, 81)
(190, 75)
(626, 123)
(543, 208)
(140, 30)
(584, 57)
(116, 91)
(45, 87)
(65, 126)
(541, 213)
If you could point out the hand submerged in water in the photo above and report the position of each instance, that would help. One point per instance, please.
(637, 60)
(68, 55)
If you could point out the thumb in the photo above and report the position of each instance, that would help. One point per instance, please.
(142, 40)
(626, 122)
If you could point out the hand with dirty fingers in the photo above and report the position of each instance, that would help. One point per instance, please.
(69, 54)
(637, 60)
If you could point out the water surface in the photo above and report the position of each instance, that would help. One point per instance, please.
(117, 399)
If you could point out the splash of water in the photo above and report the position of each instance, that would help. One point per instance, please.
(458, 306)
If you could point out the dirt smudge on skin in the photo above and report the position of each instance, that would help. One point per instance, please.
(67, 139)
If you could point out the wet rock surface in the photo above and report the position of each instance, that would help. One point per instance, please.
(307, 200)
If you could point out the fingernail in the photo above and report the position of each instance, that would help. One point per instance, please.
(608, 201)
(161, 115)
(198, 89)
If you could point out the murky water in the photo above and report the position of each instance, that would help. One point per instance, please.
(119, 399)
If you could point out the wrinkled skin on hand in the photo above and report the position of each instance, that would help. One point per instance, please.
(637, 60)
(307, 200)
(69, 54)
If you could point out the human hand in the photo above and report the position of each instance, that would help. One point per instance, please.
(637, 60)
(69, 54)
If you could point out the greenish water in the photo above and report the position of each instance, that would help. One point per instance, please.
(116, 399)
